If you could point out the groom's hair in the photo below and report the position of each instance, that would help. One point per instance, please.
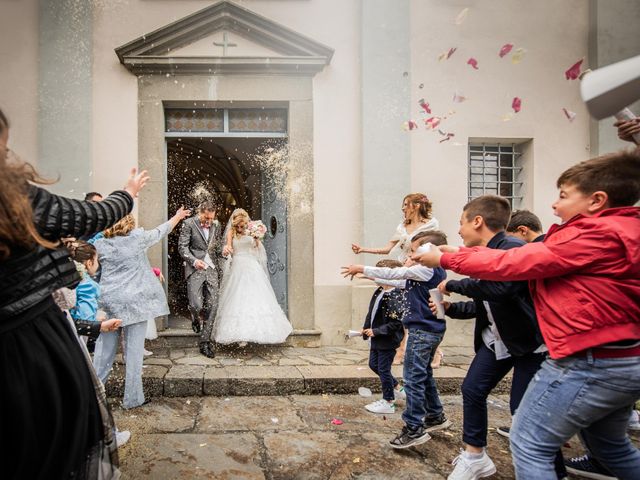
(207, 206)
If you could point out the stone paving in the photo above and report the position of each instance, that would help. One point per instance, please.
(292, 437)
(273, 370)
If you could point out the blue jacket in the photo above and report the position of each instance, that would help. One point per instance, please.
(417, 280)
(84, 313)
(387, 321)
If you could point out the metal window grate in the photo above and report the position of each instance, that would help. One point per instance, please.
(494, 169)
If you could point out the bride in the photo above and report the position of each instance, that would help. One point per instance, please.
(248, 310)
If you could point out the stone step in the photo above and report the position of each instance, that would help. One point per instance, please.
(207, 378)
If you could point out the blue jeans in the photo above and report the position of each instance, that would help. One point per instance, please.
(380, 362)
(572, 395)
(423, 400)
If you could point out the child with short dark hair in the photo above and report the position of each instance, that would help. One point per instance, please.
(423, 412)
(526, 226)
(585, 284)
(383, 327)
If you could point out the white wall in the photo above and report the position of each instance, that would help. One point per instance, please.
(553, 43)
(19, 74)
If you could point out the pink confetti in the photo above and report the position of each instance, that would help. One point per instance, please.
(506, 48)
(574, 71)
(432, 122)
(458, 98)
(409, 125)
(336, 421)
(473, 62)
(447, 55)
(424, 105)
(569, 114)
(449, 136)
(516, 104)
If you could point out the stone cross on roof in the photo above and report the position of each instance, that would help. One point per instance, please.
(225, 43)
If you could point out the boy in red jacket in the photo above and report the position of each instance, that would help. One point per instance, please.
(585, 283)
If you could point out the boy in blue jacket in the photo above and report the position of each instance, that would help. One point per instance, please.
(383, 327)
(423, 412)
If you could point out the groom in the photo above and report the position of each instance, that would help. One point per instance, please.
(200, 245)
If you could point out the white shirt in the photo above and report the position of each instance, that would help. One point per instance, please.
(397, 277)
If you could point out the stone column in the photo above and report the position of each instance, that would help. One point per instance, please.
(386, 61)
(65, 94)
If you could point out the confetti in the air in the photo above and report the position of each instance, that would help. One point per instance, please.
(447, 55)
(424, 105)
(506, 48)
(569, 114)
(518, 55)
(409, 125)
(462, 16)
(421, 86)
(448, 137)
(458, 97)
(473, 62)
(516, 104)
(574, 71)
(432, 122)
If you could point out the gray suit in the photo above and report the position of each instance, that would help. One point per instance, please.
(202, 285)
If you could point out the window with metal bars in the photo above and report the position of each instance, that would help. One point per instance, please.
(495, 169)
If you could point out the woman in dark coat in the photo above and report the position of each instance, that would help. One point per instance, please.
(52, 423)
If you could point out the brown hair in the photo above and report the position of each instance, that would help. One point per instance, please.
(122, 228)
(524, 218)
(17, 228)
(238, 216)
(617, 174)
(494, 210)
(388, 263)
(81, 251)
(436, 237)
(424, 205)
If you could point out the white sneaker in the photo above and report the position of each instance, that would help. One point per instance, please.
(467, 469)
(147, 353)
(634, 421)
(399, 394)
(122, 437)
(381, 406)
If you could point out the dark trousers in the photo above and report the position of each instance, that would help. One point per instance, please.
(485, 372)
(380, 362)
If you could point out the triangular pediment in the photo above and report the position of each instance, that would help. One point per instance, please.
(261, 45)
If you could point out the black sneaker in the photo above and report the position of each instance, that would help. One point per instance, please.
(437, 423)
(504, 431)
(410, 438)
(588, 467)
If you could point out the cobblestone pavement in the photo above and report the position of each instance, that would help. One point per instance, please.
(292, 437)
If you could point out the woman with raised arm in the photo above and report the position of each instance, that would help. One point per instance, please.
(53, 421)
(416, 209)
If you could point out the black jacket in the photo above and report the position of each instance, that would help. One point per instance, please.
(387, 323)
(510, 304)
(29, 276)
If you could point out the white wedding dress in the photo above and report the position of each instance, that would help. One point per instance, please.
(248, 310)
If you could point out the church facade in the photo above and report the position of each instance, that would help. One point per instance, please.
(317, 116)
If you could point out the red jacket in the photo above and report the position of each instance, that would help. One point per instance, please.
(584, 278)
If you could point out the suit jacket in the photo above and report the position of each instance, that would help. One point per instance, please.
(193, 246)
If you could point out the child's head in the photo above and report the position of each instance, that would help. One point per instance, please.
(524, 225)
(416, 203)
(388, 263)
(482, 218)
(434, 237)
(122, 228)
(86, 254)
(593, 185)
